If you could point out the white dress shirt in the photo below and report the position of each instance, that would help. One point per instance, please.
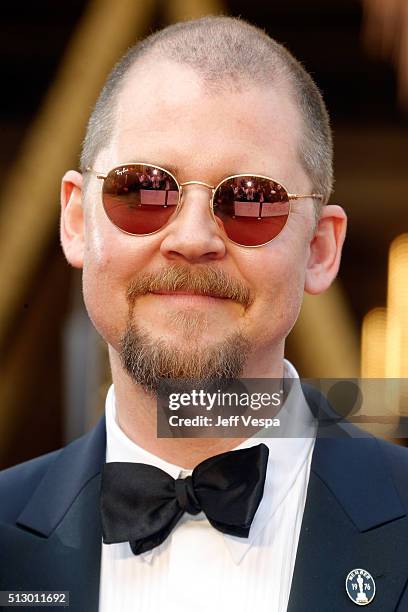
(199, 568)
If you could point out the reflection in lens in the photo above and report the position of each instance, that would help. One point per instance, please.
(253, 209)
(138, 198)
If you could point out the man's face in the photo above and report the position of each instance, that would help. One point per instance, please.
(166, 117)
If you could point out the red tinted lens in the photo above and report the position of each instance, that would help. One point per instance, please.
(253, 210)
(139, 199)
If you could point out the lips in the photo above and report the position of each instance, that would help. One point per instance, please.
(188, 293)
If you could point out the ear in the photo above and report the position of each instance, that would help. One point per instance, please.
(325, 249)
(72, 218)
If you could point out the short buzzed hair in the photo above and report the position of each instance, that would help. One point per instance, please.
(225, 51)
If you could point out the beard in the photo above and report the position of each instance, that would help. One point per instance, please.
(157, 364)
(161, 368)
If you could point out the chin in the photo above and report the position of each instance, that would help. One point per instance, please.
(149, 360)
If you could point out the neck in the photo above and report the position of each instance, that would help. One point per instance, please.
(136, 413)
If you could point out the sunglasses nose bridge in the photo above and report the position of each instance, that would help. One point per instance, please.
(210, 187)
(197, 183)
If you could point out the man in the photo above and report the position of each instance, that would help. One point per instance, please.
(187, 289)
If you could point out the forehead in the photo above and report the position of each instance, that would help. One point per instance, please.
(166, 114)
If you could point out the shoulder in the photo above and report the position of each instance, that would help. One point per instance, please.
(396, 459)
(19, 482)
(397, 455)
(61, 472)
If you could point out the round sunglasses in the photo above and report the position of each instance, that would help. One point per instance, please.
(140, 199)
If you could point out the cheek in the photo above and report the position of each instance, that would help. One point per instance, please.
(104, 299)
(107, 270)
(280, 277)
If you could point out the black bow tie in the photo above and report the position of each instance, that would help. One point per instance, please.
(141, 504)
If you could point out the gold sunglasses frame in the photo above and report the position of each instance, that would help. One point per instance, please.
(291, 196)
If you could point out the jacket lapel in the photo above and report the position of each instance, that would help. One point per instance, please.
(353, 518)
(56, 544)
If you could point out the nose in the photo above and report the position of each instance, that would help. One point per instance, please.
(193, 235)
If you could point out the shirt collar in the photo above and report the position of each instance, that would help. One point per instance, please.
(296, 439)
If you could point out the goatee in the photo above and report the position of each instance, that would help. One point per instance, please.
(161, 368)
(157, 364)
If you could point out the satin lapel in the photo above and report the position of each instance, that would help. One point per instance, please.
(56, 543)
(353, 518)
(67, 560)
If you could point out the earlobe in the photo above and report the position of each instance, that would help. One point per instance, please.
(325, 249)
(72, 218)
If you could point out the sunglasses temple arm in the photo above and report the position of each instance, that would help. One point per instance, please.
(314, 196)
(99, 175)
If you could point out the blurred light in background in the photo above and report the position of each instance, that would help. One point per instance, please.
(373, 337)
(385, 34)
(396, 365)
(384, 339)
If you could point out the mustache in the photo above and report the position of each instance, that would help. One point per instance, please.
(206, 280)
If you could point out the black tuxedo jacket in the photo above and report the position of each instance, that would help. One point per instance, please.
(355, 517)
